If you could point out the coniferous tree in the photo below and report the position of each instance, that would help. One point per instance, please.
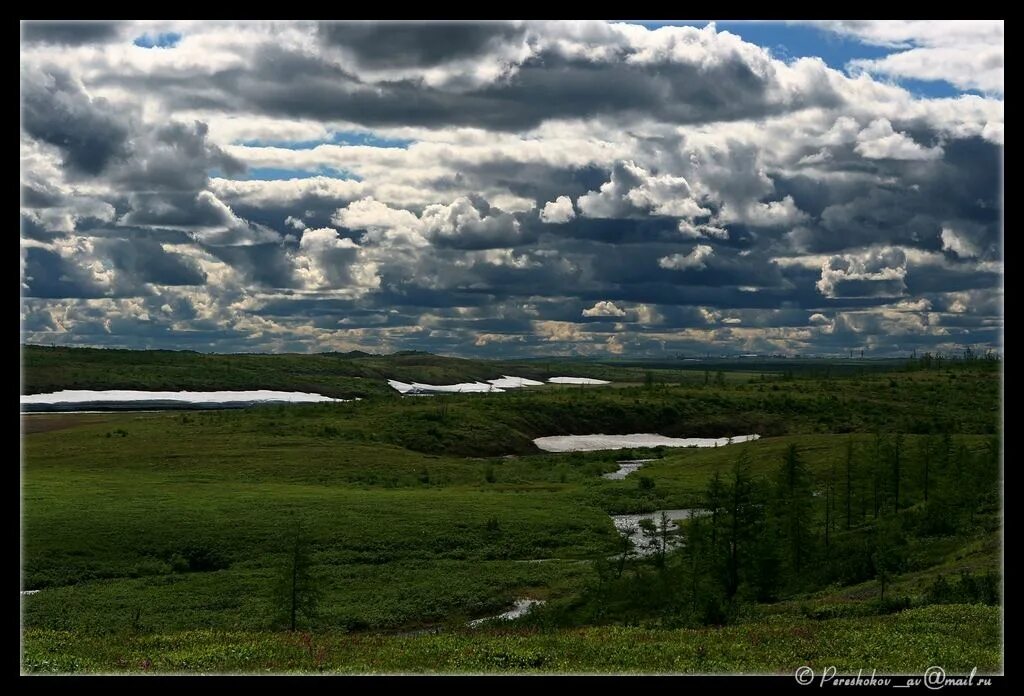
(793, 508)
(297, 591)
(897, 451)
(849, 481)
(740, 523)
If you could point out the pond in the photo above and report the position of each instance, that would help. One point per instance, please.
(630, 526)
(591, 443)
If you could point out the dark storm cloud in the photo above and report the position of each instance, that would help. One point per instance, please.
(545, 86)
(175, 157)
(262, 265)
(49, 274)
(423, 44)
(145, 261)
(70, 33)
(56, 110)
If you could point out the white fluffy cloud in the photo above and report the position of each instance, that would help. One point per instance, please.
(966, 53)
(558, 211)
(869, 273)
(604, 308)
(694, 261)
(880, 141)
(633, 191)
(958, 243)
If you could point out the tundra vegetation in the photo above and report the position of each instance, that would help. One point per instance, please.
(863, 530)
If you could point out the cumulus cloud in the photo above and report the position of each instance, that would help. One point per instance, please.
(604, 308)
(880, 141)
(632, 191)
(558, 211)
(870, 273)
(461, 224)
(958, 243)
(966, 53)
(693, 261)
(691, 231)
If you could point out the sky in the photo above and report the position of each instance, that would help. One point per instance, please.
(513, 189)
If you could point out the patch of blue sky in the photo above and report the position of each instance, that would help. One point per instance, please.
(791, 41)
(932, 89)
(167, 39)
(337, 138)
(282, 173)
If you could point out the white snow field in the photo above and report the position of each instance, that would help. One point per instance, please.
(577, 380)
(69, 399)
(491, 386)
(591, 443)
(462, 388)
(507, 382)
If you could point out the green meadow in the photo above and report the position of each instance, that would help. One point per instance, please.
(158, 542)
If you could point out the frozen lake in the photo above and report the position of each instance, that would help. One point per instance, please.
(124, 399)
(591, 443)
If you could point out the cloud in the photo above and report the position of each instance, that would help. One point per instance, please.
(461, 224)
(397, 44)
(325, 261)
(966, 53)
(958, 244)
(632, 191)
(57, 110)
(693, 261)
(604, 308)
(870, 273)
(558, 211)
(506, 188)
(69, 33)
(880, 141)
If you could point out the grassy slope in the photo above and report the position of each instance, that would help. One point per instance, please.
(957, 636)
(401, 537)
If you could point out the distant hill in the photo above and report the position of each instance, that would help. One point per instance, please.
(361, 374)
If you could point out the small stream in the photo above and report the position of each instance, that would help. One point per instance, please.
(521, 608)
(626, 467)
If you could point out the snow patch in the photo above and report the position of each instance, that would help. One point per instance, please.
(577, 380)
(491, 386)
(507, 382)
(462, 388)
(114, 397)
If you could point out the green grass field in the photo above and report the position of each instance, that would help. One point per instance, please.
(156, 539)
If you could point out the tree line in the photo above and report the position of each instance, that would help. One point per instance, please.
(763, 539)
